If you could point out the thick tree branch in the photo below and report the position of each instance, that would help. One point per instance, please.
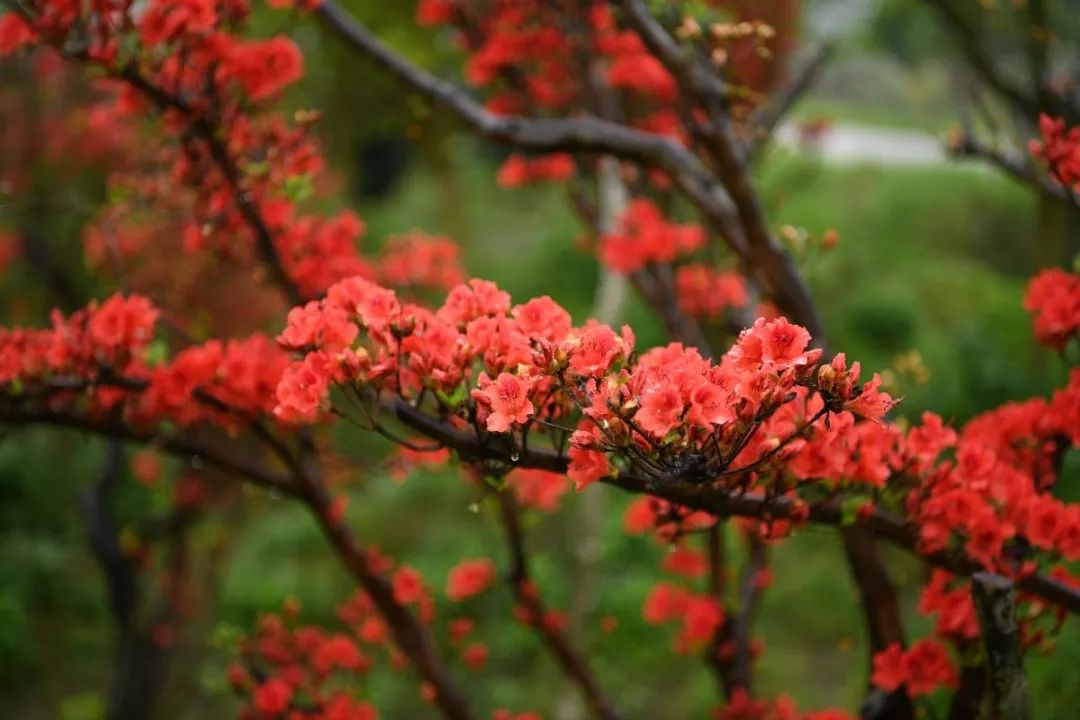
(966, 144)
(178, 445)
(734, 668)
(995, 603)
(303, 482)
(770, 266)
(881, 609)
(718, 501)
(766, 261)
(967, 701)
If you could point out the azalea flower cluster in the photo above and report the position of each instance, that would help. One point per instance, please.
(645, 236)
(753, 420)
(242, 171)
(1053, 298)
(921, 669)
(520, 170)
(699, 614)
(419, 261)
(1060, 149)
(106, 357)
(705, 292)
(744, 707)
(507, 367)
(524, 38)
(993, 496)
(523, 44)
(523, 53)
(288, 667)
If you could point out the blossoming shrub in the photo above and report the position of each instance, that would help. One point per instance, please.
(770, 434)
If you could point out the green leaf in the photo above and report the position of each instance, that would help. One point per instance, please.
(849, 510)
(454, 399)
(86, 706)
(116, 194)
(226, 636)
(256, 167)
(157, 353)
(299, 187)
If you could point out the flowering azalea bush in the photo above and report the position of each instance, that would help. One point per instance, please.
(741, 420)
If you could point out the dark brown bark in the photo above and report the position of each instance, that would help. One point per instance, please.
(411, 637)
(572, 662)
(881, 611)
(718, 501)
(995, 603)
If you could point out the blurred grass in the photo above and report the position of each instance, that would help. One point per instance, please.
(908, 116)
(933, 259)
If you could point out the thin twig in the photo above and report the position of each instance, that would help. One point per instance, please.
(573, 662)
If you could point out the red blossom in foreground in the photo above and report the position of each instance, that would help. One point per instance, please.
(507, 399)
(105, 352)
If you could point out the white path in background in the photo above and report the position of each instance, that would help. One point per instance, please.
(853, 144)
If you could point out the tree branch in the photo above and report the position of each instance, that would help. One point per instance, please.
(304, 483)
(202, 127)
(766, 260)
(980, 61)
(995, 603)
(735, 671)
(881, 609)
(966, 144)
(719, 501)
(764, 120)
(572, 662)
(967, 701)
(409, 635)
(177, 445)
